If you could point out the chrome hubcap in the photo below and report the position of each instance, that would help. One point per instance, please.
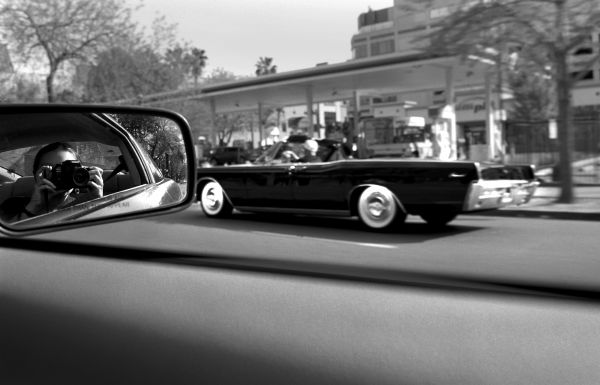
(212, 198)
(378, 207)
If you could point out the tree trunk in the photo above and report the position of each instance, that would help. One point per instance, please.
(279, 118)
(563, 90)
(50, 86)
(252, 131)
(565, 133)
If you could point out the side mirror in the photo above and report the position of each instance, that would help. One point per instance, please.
(66, 166)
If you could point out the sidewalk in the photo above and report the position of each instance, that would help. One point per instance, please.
(543, 205)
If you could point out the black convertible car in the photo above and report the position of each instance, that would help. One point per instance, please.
(381, 192)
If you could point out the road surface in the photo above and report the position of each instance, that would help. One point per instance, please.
(114, 318)
(528, 252)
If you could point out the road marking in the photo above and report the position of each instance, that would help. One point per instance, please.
(379, 245)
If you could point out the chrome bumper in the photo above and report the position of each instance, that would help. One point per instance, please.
(495, 194)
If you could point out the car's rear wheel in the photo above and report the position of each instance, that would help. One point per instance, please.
(378, 209)
(213, 201)
(438, 219)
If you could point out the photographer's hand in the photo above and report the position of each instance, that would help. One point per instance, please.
(96, 183)
(43, 188)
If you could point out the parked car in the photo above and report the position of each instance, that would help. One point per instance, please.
(255, 153)
(381, 192)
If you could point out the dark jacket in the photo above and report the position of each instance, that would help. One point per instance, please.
(13, 209)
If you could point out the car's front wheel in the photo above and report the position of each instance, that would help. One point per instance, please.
(378, 209)
(213, 201)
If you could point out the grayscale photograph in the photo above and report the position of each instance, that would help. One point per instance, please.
(313, 192)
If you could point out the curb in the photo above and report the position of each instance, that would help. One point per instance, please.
(540, 214)
(575, 185)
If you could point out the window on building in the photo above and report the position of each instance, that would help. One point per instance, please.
(360, 51)
(330, 118)
(373, 17)
(385, 99)
(583, 51)
(382, 47)
(582, 75)
(586, 48)
(439, 12)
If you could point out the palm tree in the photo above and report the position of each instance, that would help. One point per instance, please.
(196, 60)
(264, 66)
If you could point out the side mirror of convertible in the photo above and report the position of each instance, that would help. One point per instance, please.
(65, 166)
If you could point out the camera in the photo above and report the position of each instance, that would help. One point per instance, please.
(69, 174)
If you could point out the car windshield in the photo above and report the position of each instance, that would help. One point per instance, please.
(304, 192)
(438, 139)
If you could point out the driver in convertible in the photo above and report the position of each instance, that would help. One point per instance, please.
(46, 197)
(305, 152)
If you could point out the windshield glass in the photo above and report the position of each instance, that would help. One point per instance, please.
(406, 153)
(304, 192)
(271, 153)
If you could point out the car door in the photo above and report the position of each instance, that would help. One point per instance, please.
(269, 186)
(320, 186)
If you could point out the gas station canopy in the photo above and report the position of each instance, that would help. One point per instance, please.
(341, 81)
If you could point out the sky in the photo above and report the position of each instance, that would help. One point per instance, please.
(235, 33)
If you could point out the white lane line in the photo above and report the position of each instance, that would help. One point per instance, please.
(378, 245)
(381, 246)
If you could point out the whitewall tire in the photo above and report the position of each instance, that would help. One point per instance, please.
(213, 201)
(378, 209)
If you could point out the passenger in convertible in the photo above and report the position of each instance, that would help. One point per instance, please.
(60, 182)
(303, 152)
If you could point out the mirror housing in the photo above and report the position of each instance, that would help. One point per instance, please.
(134, 162)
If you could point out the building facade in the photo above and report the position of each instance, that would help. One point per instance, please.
(388, 118)
(402, 28)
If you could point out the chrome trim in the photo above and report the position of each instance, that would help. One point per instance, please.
(334, 213)
(494, 194)
(488, 195)
(523, 191)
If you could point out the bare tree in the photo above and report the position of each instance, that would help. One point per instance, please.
(226, 125)
(532, 96)
(63, 30)
(121, 74)
(547, 33)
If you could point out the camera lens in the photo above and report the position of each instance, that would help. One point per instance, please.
(56, 176)
(81, 177)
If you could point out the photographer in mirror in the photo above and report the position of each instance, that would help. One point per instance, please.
(60, 182)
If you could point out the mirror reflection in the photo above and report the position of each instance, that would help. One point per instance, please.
(56, 167)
